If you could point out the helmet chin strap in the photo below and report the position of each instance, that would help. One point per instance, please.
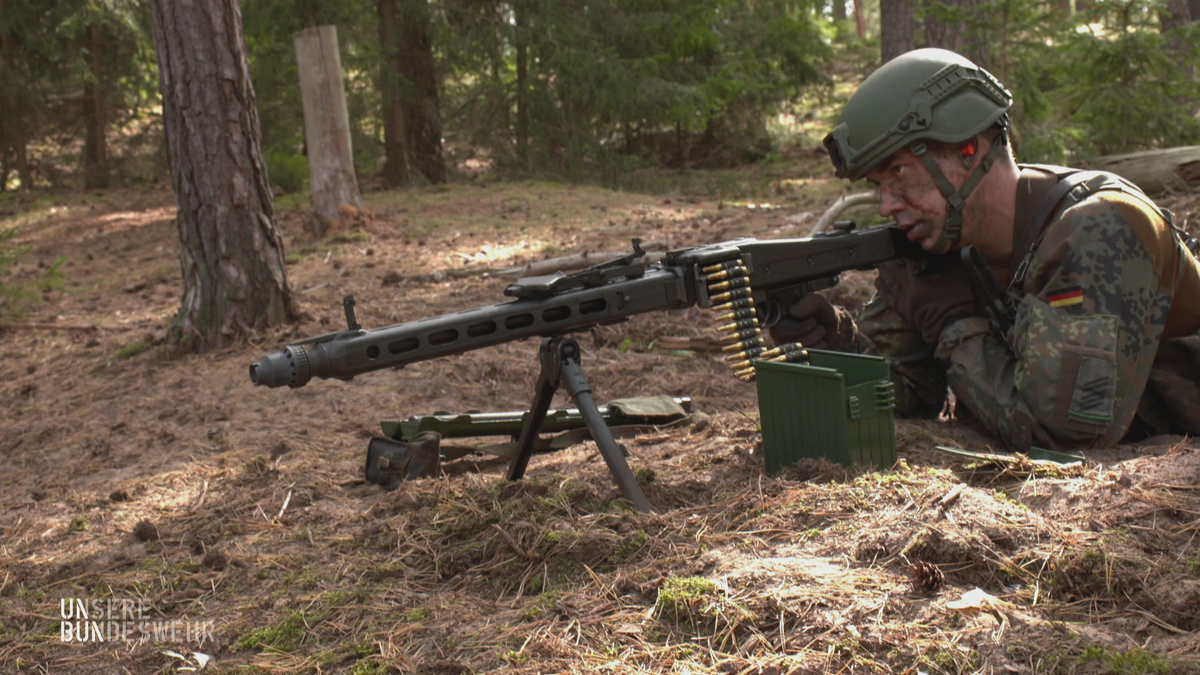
(956, 200)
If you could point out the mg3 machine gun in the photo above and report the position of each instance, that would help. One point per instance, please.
(748, 282)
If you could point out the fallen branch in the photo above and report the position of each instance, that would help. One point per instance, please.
(572, 262)
(696, 344)
(843, 203)
(564, 263)
(62, 326)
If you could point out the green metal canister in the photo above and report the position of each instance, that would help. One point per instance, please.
(837, 406)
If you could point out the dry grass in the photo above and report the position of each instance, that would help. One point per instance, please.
(176, 483)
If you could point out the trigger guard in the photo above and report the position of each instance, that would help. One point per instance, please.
(769, 313)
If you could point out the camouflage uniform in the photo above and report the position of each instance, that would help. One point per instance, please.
(1106, 337)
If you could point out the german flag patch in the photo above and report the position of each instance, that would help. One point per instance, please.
(1065, 297)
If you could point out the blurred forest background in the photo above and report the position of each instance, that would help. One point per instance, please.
(586, 91)
(624, 94)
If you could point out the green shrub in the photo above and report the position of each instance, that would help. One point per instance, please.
(288, 171)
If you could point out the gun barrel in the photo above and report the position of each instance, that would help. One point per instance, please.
(354, 352)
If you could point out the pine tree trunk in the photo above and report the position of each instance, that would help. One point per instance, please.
(95, 147)
(395, 132)
(231, 250)
(21, 153)
(1172, 19)
(12, 114)
(897, 28)
(422, 111)
(962, 36)
(522, 41)
(1177, 13)
(6, 110)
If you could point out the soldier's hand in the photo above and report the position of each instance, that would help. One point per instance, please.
(928, 299)
(815, 322)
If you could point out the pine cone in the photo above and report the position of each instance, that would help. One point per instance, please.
(926, 577)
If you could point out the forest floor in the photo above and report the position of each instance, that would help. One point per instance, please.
(231, 529)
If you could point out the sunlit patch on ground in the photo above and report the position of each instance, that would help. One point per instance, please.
(134, 473)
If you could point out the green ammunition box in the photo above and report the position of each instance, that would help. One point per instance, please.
(837, 406)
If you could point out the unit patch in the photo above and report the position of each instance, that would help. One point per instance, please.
(1065, 297)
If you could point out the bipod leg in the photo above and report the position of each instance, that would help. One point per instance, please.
(547, 384)
(577, 386)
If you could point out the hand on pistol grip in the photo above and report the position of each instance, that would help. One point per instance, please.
(817, 323)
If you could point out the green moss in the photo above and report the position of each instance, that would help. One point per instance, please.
(350, 238)
(286, 635)
(78, 524)
(417, 614)
(370, 667)
(1133, 662)
(953, 662)
(687, 600)
(628, 547)
(516, 657)
(130, 350)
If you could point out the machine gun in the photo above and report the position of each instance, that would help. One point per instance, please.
(751, 283)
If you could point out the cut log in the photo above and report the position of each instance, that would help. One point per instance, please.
(326, 126)
(1157, 172)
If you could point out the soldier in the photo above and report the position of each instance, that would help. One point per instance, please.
(1062, 307)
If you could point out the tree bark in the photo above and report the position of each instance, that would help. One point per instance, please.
(326, 126)
(12, 114)
(521, 26)
(422, 110)
(897, 28)
(958, 35)
(858, 19)
(20, 146)
(395, 131)
(839, 10)
(1172, 19)
(95, 147)
(1177, 13)
(231, 251)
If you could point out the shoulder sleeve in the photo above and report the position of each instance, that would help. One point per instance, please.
(1072, 369)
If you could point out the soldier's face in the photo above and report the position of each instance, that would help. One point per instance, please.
(908, 195)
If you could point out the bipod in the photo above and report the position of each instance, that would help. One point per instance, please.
(559, 359)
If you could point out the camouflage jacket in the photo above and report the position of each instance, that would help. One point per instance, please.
(1107, 331)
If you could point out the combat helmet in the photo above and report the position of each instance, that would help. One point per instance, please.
(925, 94)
